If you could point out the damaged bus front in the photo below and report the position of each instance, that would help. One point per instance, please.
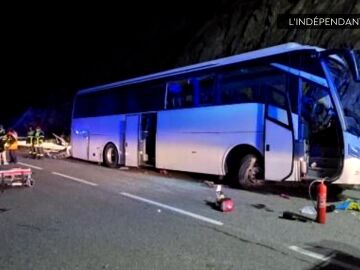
(342, 72)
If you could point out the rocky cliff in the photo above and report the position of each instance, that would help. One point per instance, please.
(242, 25)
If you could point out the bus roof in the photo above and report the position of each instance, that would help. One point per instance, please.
(270, 51)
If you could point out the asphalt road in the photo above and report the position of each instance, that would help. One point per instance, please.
(83, 216)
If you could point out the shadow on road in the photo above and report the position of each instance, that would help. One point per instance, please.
(338, 256)
(299, 190)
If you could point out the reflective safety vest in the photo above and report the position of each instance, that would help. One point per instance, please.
(30, 136)
(11, 141)
(38, 137)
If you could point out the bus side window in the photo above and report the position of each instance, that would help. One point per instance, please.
(206, 89)
(276, 98)
(317, 106)
(275, 88)
(180, 94)
(237, 90)
(174, 95)
(188, 94)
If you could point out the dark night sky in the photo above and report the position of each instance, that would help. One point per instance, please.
(49, 52)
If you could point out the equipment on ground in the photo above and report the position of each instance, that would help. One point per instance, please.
(13, 177)
(223, 203)
(321, 203)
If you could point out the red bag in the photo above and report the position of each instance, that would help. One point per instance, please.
(226, 205)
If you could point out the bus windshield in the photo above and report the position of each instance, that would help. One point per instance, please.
(348, 90)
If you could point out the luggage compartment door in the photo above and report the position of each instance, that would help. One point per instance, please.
(132, 141)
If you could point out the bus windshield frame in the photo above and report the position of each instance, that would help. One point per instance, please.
(346, 85)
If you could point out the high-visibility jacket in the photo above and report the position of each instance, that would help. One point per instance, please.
(30, 136)
(38, 137)
(11, 140)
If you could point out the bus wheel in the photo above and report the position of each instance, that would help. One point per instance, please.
(251, 172)
(111, 156)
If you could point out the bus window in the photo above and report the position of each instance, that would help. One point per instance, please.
(145, 98)
(236, 88)
(317, 108)
(188, 94)
(275, 88)
(180, 94)
(96, 104)
(206, 89)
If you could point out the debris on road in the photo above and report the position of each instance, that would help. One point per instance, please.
(285, 196)
(225, 204)
(210, 184)
(164, 172)
(348, 204)
(308, 210)
(262, 206)
(294, 216)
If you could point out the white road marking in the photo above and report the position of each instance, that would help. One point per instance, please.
(75, 179)
(177, 210)
(323, 258)
(31, 166)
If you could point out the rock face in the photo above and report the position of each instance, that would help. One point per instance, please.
(242, 26)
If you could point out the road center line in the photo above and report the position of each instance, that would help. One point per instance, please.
(174, 209)
(75, 179)
(321, 257)
(31, 166)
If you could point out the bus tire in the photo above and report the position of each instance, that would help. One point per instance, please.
(111, 156)
(251, 171)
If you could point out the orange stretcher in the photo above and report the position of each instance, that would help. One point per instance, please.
(13, 177)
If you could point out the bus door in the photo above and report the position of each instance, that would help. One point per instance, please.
(148, 139)
(132, 140)
(81, 144)
(279, 138)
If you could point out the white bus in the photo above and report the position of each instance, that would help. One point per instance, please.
(282, 114)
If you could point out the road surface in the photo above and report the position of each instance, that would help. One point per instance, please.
(80, 215)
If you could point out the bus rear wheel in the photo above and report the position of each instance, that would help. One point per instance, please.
(251, 172)
(111, 156)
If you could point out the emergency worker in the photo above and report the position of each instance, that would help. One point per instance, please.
(30, 141)
(3, 160)
(38, 141)
(12, 145)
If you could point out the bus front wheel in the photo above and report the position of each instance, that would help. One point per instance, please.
(251, 172)
(111, 156)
